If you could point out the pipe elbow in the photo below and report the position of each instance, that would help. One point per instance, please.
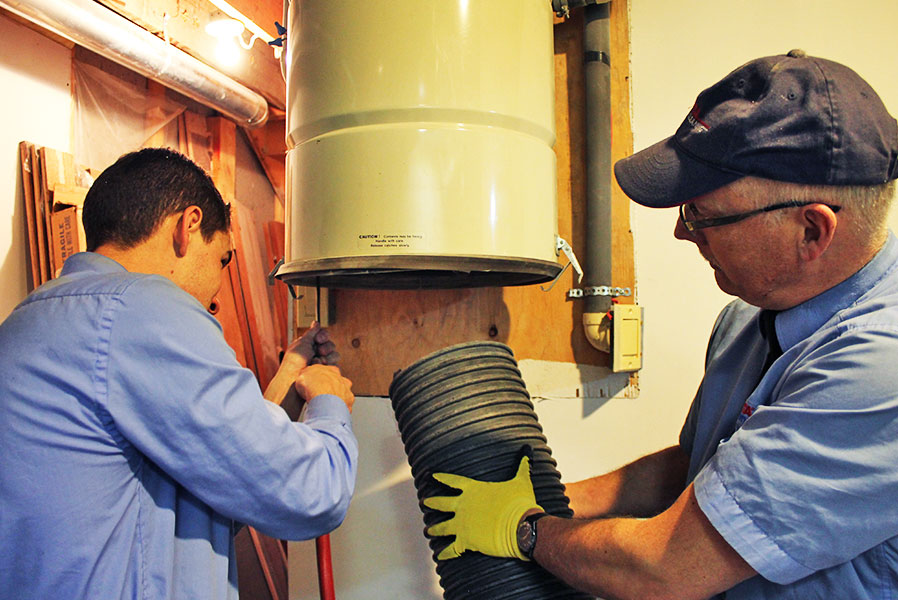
(597, 329)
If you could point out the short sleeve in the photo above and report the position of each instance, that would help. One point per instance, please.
(810, 480)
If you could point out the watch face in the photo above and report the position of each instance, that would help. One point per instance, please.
(525, 536)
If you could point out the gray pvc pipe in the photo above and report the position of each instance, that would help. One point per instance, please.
(598, 265)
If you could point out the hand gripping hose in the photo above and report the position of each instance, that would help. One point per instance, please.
(466, 410)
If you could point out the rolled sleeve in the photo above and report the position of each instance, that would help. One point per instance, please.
(754, 545)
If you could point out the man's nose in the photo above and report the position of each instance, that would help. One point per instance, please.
(681, 233)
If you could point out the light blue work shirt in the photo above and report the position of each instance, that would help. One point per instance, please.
(806, 490)
(132, 443)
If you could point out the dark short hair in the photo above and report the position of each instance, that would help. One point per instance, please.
(131, 198)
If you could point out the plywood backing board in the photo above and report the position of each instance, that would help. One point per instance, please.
(380, 332)
(570, 110)
(624, 269)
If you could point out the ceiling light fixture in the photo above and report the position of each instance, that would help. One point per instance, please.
(247, 24)
(225, 30)
(222, 26)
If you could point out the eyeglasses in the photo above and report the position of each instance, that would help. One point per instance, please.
(693, 224)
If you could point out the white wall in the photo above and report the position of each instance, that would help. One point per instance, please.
(36, 107)
(679, 47)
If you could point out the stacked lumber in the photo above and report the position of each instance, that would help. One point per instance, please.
(53, 192)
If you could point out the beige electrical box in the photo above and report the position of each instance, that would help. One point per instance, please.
(626, 337)
(619, 333)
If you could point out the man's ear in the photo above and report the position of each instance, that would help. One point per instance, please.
(819, 226)
(188, 224)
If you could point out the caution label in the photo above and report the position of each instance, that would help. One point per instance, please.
(390, 240)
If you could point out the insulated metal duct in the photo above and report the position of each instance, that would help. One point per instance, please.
(101, 30)
(419, 140)
(466, 410)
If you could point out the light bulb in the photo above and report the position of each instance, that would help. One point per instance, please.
(222, 27)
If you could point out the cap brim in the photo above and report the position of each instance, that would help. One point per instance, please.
(662, 176)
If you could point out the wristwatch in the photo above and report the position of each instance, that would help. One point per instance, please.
(526, 533)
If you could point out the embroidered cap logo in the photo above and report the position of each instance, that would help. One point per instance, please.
(694, 119)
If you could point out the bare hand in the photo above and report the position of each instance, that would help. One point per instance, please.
(315, 380)
(314, 347)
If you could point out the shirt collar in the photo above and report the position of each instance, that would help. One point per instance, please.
(90, 262)
(799, 322)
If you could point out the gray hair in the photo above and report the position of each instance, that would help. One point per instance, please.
(866, 206)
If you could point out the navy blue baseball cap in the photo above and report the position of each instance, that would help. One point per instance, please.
(791, 117)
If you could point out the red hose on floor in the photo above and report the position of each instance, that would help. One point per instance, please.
(325, 567)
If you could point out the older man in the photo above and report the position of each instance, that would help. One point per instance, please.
(784, 482)
(133, 443)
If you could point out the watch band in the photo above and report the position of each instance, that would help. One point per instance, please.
(531, 542)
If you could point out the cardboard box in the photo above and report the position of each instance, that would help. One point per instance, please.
(64, 236)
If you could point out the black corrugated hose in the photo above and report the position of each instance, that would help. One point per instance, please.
(466, 410)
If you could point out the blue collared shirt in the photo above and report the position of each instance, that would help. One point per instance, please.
(806, 490)
(132, 443)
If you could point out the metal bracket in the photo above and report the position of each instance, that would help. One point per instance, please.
(562, 8)
(599, 290)
(272, 275)
(561, 245)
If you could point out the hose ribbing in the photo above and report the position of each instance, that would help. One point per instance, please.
(466, 410)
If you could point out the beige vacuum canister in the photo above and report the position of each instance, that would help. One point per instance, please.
(419, 143)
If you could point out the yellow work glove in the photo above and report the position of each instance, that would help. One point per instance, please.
(486, 513)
